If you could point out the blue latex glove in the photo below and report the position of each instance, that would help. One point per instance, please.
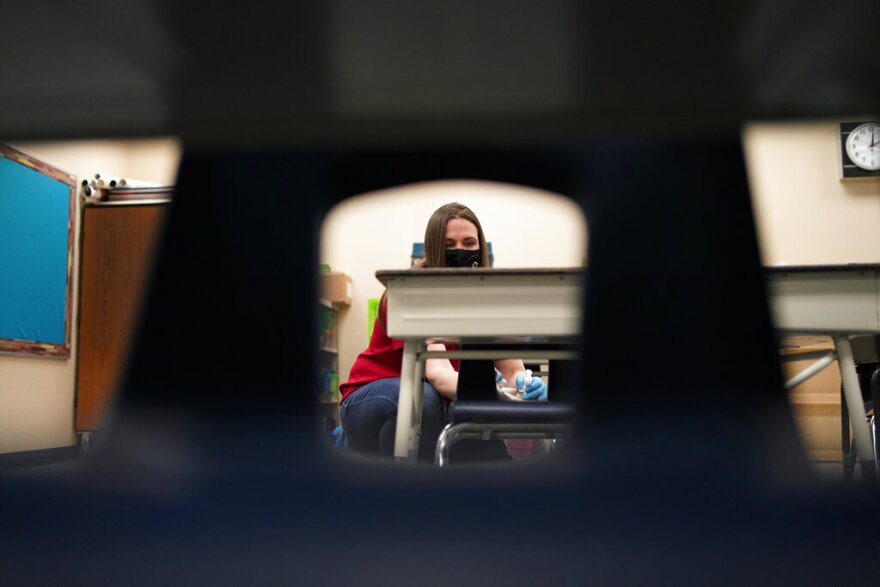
(499, 380)
(533, 388)
(341, 438)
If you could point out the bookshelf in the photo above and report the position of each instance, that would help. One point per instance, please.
(328, 359)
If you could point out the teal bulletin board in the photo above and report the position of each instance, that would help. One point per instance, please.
(36, 255)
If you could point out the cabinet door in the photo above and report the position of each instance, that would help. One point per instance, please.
(118, 243)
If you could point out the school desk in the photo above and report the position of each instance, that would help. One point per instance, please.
(836, 300)
(533, 306)
(513, 307)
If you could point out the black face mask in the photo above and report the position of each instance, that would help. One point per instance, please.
(464, 258)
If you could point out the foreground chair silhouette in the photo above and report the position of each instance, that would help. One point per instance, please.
(212, 467)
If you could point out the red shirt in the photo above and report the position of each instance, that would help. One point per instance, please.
(382, 359)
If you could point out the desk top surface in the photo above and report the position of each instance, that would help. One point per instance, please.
(823, 268)
(386, 275)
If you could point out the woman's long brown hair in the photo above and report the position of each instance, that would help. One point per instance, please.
(435, 241)
(435, 233)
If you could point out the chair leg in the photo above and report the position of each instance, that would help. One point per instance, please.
(875, 404)
(848, 456)
(444, 444)
(452, 433)
(850, 453)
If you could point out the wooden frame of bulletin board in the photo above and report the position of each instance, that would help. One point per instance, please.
(36, 255)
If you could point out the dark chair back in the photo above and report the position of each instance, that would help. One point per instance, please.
(476, 377)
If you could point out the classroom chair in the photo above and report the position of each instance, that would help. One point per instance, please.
(869, 382)
(478, 414)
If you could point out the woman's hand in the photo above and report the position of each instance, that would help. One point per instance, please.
(533, 388)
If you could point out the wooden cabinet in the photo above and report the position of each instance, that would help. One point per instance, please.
(118, 241)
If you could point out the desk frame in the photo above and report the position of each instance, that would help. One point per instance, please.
(507, 306)
(544, 305)
(840, 301)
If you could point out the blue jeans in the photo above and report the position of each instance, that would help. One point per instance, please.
(369, 418)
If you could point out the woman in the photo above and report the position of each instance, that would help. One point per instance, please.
(368, 409)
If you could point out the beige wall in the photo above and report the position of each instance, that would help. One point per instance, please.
(804, 213)
(527, 228)
(37, 394)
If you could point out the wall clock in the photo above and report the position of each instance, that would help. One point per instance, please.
(859, 149)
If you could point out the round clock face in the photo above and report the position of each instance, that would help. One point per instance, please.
(863, 146)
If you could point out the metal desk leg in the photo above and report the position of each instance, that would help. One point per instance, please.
(855, 405)
(406, 402)
(418, 395)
